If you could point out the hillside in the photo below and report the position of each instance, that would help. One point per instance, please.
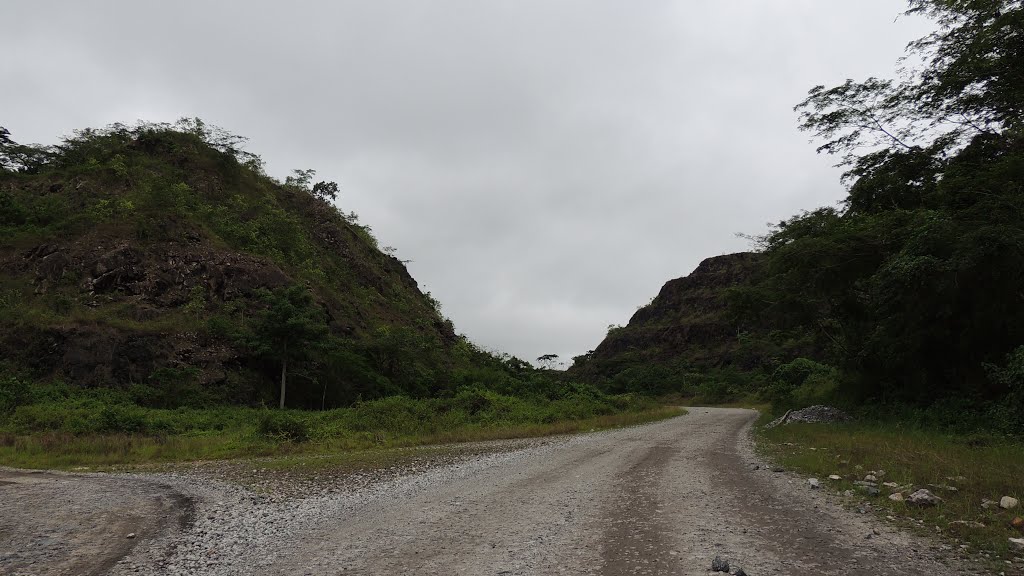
(688, 320)
(906, 296)
(687, 332)
(152, 257)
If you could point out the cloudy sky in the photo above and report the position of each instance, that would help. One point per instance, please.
(546, 165)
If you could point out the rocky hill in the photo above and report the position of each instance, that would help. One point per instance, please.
(688, 325)
(146, 256)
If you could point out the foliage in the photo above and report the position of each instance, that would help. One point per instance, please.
(283, 426)
(1008, 414)
(801, 382)
(912, 285)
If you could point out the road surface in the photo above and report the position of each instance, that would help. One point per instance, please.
(659, 499)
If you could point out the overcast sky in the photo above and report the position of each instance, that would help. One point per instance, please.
(546, 165)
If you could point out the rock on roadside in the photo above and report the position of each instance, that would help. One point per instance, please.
(923, 497)
(811, 414)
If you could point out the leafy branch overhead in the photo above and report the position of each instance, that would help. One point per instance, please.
(961, 81)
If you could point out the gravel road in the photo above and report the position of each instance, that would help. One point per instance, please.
(663, 498)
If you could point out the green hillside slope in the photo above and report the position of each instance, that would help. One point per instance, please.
(153, 258)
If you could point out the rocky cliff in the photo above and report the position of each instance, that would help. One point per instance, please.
(687, 324)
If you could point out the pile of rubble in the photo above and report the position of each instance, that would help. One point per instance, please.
(817, 413)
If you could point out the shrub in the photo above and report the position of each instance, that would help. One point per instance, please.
(1008, 414)
(282, 426)
(13, 393)
(799, 383)
(121, 418)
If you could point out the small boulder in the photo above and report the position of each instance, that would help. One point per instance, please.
(719, 564)
(739, 572)
(890, 484)
(1008, 502)
(896, 497)
(130, 535)
(814, 483)
(923, 497)
(1018, 542)
(835, 477)
(966, 524)
(986, 503)
(871, 478)
(1017, 523)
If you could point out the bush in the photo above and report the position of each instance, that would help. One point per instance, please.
(1007, 414)
(13, 393)
(282, 426)
(800, 383)
(121, 418)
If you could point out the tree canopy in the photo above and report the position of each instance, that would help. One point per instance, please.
(916, 280)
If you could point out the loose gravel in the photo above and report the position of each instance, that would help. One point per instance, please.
(664, 498)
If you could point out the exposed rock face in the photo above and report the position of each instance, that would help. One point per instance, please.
(161, 274)
(689, 319)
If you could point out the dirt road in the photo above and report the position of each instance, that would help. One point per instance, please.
(665, 498)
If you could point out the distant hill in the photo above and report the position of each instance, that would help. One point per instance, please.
(689, 327)
(150, 256)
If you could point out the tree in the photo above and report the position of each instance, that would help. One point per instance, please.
(969, 84)
(548, 361)
(26, 158)
(288, 329)
(913, 285)
(300, 179)
(325, 190)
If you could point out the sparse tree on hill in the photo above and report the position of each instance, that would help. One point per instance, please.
(288, 329)
(548, 361)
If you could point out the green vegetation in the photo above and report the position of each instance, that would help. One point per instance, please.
(911, 287)
(980, 466)
(158, 290)
(904, 301)
(59, 426)
(167, 239)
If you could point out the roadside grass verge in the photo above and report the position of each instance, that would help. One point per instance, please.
(977, 467)
(57, 440)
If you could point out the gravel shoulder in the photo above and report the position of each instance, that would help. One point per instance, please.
(663, 498)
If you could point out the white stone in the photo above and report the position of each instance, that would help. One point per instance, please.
(923, 497)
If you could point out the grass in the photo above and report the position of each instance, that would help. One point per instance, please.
(979, 467)
(67, 450)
